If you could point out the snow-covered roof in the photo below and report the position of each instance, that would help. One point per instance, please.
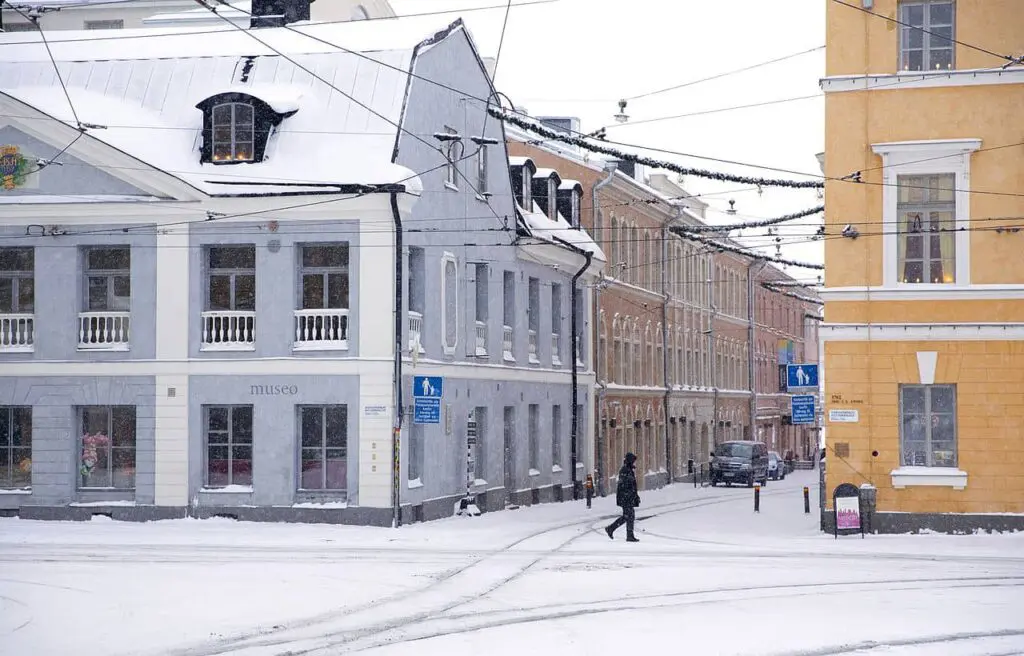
(570, 184)
(144, 91)
(558, 231)
(546, 173)
(236, 11)
(520, 161)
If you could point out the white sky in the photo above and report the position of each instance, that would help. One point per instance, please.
(578, 57)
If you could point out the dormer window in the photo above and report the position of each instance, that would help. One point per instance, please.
(237, 127)
(575, 218)
(552, 199)
(233, 132)
(527, 187)
(569, 194)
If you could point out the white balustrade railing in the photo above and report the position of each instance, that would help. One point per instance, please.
(556, 349)
(532, 334)
(416, 332)
(506, 344)
(229, 330)
(324, 328)
(481, 339)
(108, 331)
(17, 333)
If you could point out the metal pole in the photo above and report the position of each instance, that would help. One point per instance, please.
(757, 498)
(665, 379)
(396, 474)
(714, 355)
(575, 375)
(752, 343)
(599, 232)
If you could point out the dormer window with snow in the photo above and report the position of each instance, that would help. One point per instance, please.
(569, 194)
(237, 127)
(545, 191)
(522, 169)
(552, 199)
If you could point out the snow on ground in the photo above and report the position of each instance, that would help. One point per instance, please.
(709, 574)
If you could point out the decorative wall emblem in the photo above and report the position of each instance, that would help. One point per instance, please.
(13, 167)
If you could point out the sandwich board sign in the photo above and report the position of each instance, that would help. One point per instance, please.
(846, 504)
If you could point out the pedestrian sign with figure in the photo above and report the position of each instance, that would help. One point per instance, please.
(801, 376)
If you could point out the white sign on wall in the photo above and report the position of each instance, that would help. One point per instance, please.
(375, 411)
(844, 416)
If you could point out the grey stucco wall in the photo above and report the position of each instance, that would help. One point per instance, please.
(73, 177)
(60, 291)
(275, 434)
(277, 284)
(56, 427)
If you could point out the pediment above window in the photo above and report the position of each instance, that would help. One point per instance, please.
(237, 125)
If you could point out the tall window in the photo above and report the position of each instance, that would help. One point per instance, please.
(928, 425)
(107, 447)
(926, 211)
(228, 445)
(552, 207)
(481, 170)
(926, 36)
(508, 314)
(450, 302)
(556, 436)
(231, 278)
(324, 435)
(416, 439)
(556, 323)
(108, 279)
(15, 447)
(480, 449)
(324, 276)
(575, 209)
(453, 150)
(482, 295)
(17, 280)
(527, 188)
(233, 132)
(534, 436)
(533, 310)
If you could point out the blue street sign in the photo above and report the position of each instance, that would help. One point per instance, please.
(802, 409)
(801, 375)
(426, 411)
(427, 387)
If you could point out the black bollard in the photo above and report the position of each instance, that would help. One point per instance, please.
(807, 501)
(757, 498)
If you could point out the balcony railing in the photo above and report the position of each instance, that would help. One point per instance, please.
(103, 331)
(416, 332)
(556, 349)
(481, 339)
(229, 331)
(321, 329)
(533, 347)
(17, 333)
(506, 344)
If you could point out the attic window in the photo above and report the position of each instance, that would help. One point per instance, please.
(527, 189)
(552, 199)
(238, 126)
(575, 218)
(233, 132)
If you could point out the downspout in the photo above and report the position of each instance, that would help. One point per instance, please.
(752, 342)
(610, 167)
(575, 377)
(666, 297)
(396, 476)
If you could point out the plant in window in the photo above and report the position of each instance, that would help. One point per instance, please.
(91, 449)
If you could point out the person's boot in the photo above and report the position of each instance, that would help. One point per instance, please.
(609, 531)
(631, 538)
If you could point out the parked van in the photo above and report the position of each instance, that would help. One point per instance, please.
(740, 462)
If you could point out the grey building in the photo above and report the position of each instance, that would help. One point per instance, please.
(222, 276)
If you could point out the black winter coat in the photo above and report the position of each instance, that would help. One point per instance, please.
(625, 493)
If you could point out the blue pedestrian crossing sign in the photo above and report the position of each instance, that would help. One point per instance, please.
(427, 387)
(802, 409)
(801, 375)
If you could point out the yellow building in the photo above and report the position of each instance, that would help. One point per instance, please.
(923, 342)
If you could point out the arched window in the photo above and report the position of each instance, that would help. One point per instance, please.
(612, 244)
(616, 365)
(233, 132)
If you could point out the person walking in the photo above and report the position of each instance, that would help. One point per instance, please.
(627, 498)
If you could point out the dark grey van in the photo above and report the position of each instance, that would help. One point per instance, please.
(740, 462)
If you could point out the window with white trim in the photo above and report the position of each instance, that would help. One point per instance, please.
(324, 447)
(926, 35)
(15, 447)
(107, 447)
(228, 445)
(450, 302)
(416, 442)
(17, 280)
(556, 436)
(233, 132)
(928, 426)
(108, 279)
(453, 152)
(533, 444)
(481, 170)
(926, 211)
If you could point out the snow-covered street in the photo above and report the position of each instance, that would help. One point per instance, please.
(709, 574)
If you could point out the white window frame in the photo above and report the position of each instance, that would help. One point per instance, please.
(449, 349)
(481, 172)
(926, 28)
(527, 188)
(922, 158)
(453, 152)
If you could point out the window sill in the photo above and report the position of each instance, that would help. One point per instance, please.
(508, 357)
(16, 491)
(228, 489)
(534, 359)
(340, 345)
(448, 185)
(415, 484)
(534, 472)
(17, 349)
(92, 348)
(206, 348)
(953, 477)
(555, 469)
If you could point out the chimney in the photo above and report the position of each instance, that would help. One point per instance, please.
(278, 13)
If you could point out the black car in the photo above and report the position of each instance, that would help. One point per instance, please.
(740, 462)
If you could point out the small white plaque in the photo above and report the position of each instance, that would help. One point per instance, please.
(844, 416)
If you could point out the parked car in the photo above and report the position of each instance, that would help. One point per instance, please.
(739, 462)
(776, 466)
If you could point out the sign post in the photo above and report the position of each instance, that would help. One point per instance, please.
(846, 504)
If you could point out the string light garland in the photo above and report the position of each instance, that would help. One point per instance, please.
(682, 232)
(756, 224)
(580, 142)
(805, 299)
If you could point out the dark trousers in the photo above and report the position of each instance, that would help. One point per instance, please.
(628, 517)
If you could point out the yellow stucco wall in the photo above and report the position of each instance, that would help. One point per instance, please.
(990, 421)
(859, 43)
(930, 312)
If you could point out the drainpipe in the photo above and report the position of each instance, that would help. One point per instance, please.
(752, 342)
(575, 377)
(396, 519)
(665, 298)
(599, 366)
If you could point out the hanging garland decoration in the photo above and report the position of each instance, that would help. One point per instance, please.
(580, 142)
(756, 224)
(686, 234)
(772, 288)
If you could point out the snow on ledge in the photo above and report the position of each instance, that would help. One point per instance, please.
(953, 477)
(415, 483)
(479, 483)
(555, 469)
(534, 472)
(227, 489)
(98, 504)
(24, 490)
(319, 505)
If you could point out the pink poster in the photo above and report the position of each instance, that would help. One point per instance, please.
(847, 513)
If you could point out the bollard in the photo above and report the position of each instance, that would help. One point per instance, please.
(590, 489)
(807, 501)
(757, 498)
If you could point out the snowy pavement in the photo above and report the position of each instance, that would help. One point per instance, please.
(709, 574)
